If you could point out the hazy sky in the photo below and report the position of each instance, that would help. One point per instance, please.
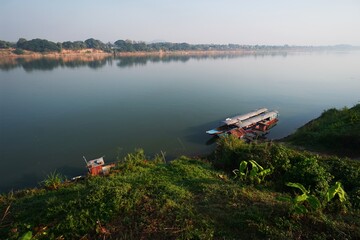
(278, 22)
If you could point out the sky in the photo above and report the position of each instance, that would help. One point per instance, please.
(268, 22)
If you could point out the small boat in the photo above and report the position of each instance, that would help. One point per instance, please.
(98, 167)
(231, 123)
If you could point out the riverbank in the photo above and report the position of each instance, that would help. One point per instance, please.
(9, 60)
(188, 198)
(197, 198)
(336, 131)
(10, 53)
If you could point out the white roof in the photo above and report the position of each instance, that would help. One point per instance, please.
(239, 118)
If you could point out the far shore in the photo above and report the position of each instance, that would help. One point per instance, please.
(9, 53)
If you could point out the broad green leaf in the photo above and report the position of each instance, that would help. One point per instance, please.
(284, 199)
(254, 163)
(300, 209)
(27, 236)
(301, 198)
(254, 171)
(342, 195)
(265, 172)
(314, 202)
(299, 186)
(336, 190)
(243, 166)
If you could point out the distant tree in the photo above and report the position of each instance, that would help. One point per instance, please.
(95, 44)
(4, 44)
(59, 44)
(67, 45)
(77, 45)
(140, 47)
(120, 44)
(124, 46)
(38, 45)
(20, 42)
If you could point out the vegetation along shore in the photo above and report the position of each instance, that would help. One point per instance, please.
(41, 47)
(261, 190)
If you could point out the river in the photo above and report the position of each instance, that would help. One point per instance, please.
(54, 111)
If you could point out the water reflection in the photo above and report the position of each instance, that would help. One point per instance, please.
(50, 63)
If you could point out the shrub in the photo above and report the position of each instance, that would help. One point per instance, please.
(229, 152)
(18, 51)
(308, 172)
(347, 171)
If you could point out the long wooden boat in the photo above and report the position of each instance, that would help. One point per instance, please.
(257, 125)
(232, 123)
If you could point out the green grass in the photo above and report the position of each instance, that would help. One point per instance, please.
(335, 131)
(184, 199)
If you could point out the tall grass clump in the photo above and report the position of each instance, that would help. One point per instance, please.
(53, 180)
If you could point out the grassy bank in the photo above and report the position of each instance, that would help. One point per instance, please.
(335, 131)
(189, 199)
(242, 191)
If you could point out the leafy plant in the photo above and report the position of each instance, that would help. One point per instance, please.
(336, 190)
(53, 180)
(305, 197)
(251, 171)
(300, 200)
(242, 172)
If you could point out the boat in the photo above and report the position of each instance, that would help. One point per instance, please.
(95, 167)
(98, 167)
(249, 128)
(264, 118)
(231, 123)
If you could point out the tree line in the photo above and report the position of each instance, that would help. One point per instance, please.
(43, 46)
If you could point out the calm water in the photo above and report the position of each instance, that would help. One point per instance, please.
(55, 111)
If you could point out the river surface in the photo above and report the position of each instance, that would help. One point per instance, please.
(55, 111)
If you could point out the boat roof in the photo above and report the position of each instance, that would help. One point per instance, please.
(96, 162)
(239, 118)
(258, 118)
